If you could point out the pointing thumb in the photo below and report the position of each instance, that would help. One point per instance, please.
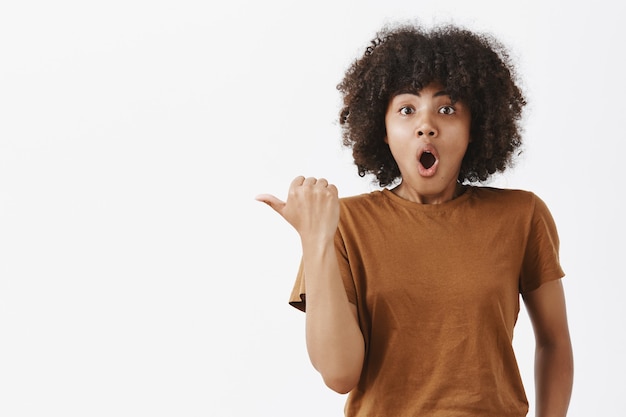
(274, 202)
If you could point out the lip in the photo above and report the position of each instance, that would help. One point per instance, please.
(423, 171)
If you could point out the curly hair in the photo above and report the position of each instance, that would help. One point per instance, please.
(474, 68)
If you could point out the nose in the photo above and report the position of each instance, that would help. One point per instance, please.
(427, 128)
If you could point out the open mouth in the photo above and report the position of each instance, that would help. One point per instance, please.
(427, 159)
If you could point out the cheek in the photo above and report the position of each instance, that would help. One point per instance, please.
(462, 149)
(397, 134)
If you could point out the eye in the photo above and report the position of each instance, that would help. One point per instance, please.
(447, 110)
(406, 110)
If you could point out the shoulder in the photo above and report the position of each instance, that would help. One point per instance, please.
(511, 198)
(513, 204)
(364, 211)
(371, 199)
(502, 193)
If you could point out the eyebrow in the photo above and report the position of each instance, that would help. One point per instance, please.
(437, 94)
(418, 93)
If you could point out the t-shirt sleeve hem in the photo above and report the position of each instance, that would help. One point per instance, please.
(553, 277)
(299, 302)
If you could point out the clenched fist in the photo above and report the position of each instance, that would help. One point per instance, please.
(312, 207)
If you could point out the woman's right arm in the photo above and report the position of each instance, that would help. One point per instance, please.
(333, 336)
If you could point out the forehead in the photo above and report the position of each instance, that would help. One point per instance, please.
(434, 88)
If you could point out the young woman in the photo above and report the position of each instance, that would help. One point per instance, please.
(412, 292)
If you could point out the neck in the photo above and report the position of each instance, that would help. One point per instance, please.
(407, 193)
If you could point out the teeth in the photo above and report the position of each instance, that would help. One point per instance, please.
(427, 160)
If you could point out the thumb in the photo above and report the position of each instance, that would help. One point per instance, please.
(274, 202)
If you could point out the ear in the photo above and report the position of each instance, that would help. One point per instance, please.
(387, 140)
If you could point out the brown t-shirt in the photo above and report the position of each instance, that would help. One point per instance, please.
(437, 290)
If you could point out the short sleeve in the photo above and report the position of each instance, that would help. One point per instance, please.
(541, 262)
(297, 298)
(298, 293)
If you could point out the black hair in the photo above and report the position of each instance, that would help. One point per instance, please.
(473, 68)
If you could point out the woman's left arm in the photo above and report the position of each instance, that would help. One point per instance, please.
(554, 363)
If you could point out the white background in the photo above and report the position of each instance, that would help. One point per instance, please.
(138, 275)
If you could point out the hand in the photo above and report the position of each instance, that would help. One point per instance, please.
(312, 207)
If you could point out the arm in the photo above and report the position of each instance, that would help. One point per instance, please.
(334, 339)
(554, 364)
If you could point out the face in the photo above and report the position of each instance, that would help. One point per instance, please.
(428, 135)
